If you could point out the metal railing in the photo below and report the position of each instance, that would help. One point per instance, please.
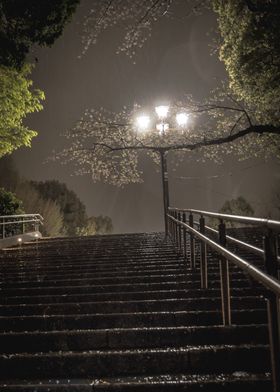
(181, 224)
(11, 225)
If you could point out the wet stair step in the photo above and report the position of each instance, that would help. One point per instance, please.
(128, 295)
(175, 304)
(114, 338)
(226, 382)
(128, 320)
(188, 359)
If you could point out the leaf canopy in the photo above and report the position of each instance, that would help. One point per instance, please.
(17, 100)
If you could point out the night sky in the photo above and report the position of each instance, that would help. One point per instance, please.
(176, 61)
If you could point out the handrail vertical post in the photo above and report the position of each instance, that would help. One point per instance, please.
(192, 244)
(179, 231)
(270, 257)
(185, 236)
(3, 229)
(37, 224)
(203, 256)
(175, 229)
(168, 224)
(165, 187)
(224, 277)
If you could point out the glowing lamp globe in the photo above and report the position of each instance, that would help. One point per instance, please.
(182, 119)
(162, 111)
(143, 122)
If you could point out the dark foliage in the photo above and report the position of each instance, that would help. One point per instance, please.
(73, 210)
(29, 22)
(9, 203)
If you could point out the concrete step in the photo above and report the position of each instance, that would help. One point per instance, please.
(22, 267)
(128, 295)
(128, 320)
(225, 382)
(113, 363)
(127, 338)
(34, 279)
(188, 278)
(34, 261)
(164, 284)
(158, 305)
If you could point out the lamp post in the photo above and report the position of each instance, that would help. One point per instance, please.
(143, 123)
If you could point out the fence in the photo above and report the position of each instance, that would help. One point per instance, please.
(181, 224)
(12, 225)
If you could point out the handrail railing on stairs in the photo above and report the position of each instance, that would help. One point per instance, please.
(7, 222)
(179, 227)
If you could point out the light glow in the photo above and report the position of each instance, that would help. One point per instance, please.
(182, 119)
(143, 122)
(163, 127)
(162, 111)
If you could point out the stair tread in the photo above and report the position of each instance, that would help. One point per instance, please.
(179, 312)
(162, 378)
(163, 350)
(111, 330)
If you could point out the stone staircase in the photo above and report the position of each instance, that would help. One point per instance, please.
(125, 313)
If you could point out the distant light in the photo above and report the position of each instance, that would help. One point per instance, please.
(36, 235)
(19, 240)
(143, 122)
(162, 111)
(182, 119)
(162, 128)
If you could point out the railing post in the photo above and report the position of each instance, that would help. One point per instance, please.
(169, 224)
(203, 256)
(179, 231)
(167, 231)
(270, 257)
(3, 229)
(185, 236)
(192, 244)
(175, 230)
(37, 225)
(224, 277)
(165, 191)
(172, 226)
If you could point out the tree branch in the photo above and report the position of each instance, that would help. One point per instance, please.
(256, 129)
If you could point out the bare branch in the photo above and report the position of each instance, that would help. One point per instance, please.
(256, 129)
(236, 123)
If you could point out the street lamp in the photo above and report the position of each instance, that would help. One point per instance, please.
(143, 123)
(182, 119)
(162, 111)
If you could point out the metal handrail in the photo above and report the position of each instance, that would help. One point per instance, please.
(267, 223)
(21, 215)
(178, 228)
(263, 278)
(252, 248)
(21, 219)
